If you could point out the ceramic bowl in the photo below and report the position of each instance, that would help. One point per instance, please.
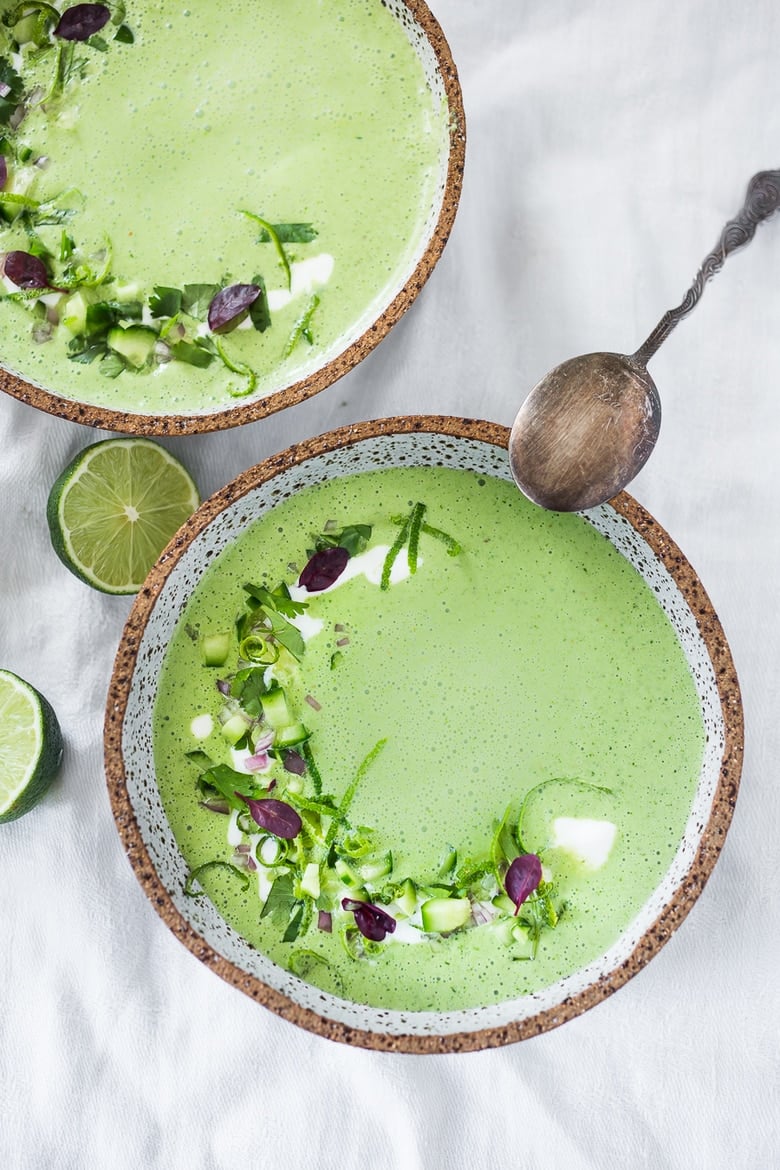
(366, 331)
(155, 855)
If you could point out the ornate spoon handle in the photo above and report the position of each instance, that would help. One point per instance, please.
(761, 201)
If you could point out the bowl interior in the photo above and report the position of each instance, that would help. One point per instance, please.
(112, 403)
(479, 447)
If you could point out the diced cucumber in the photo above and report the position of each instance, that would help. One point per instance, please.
(215, 648)
(406, 897)
(310, 880)
(524, 947)
(445, 914)
(26, 29)
(504, 903)
(74, 313)
(377, 868)
(288, 736)
(449, 862)
(126, 290)
(134, 344)
(275, 709)
(502, 929)
(235, 727)
(347, 875)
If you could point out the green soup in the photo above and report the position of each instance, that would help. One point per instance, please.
(521, 691)
(139, 174)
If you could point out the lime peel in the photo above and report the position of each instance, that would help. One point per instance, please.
(30, 746)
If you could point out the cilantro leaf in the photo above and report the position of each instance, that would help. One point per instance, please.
(164, 301)
(289, 636)
(289, 233)
(259, 312)
(278, 599)
(12, 87)
(248, 686)
(196, 299)
(192, 353)
(227, 782)
(281, 901)
(354, 538)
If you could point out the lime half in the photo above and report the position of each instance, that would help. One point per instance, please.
(30, 746)
(114, 509)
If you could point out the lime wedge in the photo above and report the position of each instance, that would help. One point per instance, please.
(30, 746)
(114, 509)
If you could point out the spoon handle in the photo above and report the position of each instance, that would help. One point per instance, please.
(761, 201)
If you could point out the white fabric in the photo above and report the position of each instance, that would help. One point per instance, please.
(608, 144)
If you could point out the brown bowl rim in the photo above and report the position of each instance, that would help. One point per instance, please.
(653, 938)
(237, 414)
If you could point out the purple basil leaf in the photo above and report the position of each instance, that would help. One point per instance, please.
(275, 816)
(372, 922)
(293, 762)
(3, 172)
(82, 21)
(230, 306)
(26, 271)
(325, 567)
(523, 876)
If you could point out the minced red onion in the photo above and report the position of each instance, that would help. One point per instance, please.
(313, 703)
(223, 686)
(343, 642)
(258, 762)
(325, 921)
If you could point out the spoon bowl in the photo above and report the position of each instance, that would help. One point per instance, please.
(584, 431)
(591, 424)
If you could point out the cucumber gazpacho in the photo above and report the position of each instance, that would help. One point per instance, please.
(424, 744)
(207, 200)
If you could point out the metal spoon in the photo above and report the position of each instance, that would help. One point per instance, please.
(590, 425)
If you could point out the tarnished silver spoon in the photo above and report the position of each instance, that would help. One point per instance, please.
(590, 425)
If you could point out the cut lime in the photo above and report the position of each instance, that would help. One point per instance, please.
(30, 746)
(114, 509)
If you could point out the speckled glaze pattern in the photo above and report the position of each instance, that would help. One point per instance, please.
(154, 854)
(427, 39)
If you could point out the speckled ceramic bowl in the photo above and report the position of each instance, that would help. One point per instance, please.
(155, 856)
(365, 332)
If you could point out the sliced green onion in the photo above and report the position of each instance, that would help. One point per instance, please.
(418, 511)
(301, 327)
(236, 367)
(347, 798)
(311, 767)
(277, 243)
(393, 552)
(259, 648)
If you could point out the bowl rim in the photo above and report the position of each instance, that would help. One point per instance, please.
(237, 413)
(653, 938)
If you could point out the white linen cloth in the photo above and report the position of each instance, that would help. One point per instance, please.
(608, 144)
